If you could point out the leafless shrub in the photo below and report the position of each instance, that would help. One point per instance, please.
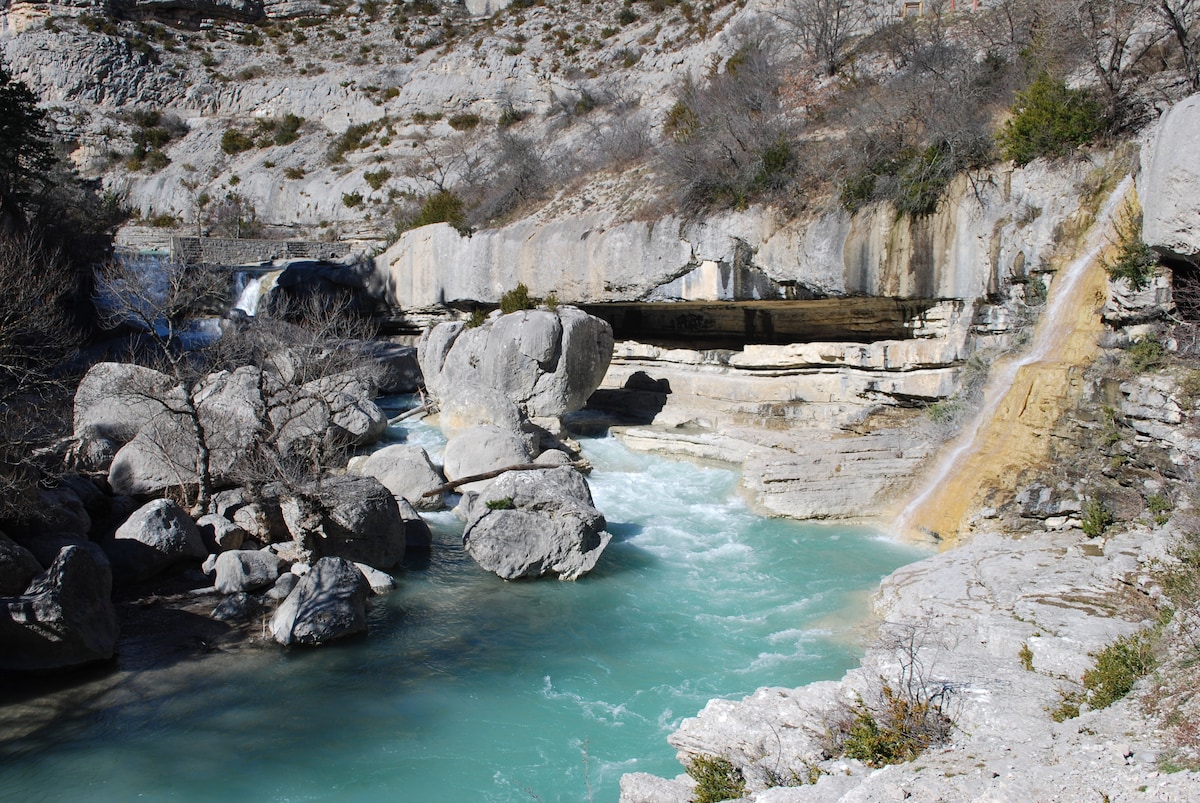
(825, 28)
(37, 342)
(728, 139)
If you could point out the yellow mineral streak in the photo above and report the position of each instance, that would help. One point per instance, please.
(1015, 431)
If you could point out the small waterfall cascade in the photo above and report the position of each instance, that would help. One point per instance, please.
(1023, 395)
(249, 287)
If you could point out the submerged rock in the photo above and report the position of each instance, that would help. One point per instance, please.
(65, 618)
(328, 603)
(534, 523)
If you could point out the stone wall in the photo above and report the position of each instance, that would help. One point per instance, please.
(219, 251)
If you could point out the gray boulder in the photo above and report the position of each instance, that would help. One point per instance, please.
(227, 406)
(483, 449)
(115, 400)
(537, 523)
(283, 586)
(380, 582)
(219, 533)
(156, 537)
(396, 367)
(18, 567)
(246, 570)
(65, 618)
(406, 471)
(350, 517)
(546, 361)
(327, 603)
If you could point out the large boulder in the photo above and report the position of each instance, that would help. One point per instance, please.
(406, 471)
(546, 361)
(1169, 183)
(349, 517)
(18, 567)
(246, 570)
(534, 523)
(65, 617)
(156, 537)
(396, 367)
(328, 603)
(228, 407)
(115, 400)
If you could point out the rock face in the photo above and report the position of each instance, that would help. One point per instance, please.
(355, 518)
(157, 536)
(406, 471)
(546, 361)
(831, 254)
(328, 603)
(534, 523)
(1170, 181)
(65, 618)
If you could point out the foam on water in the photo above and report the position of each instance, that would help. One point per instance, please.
(470, 688)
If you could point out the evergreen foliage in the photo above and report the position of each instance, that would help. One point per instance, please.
(1051, 120)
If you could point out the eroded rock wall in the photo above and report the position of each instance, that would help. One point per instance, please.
(986, 233)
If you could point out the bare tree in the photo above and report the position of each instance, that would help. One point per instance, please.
(729, 140)
(825, 28)
(37, 342)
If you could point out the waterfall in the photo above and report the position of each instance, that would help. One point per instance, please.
(1050, 343)
(250, 286)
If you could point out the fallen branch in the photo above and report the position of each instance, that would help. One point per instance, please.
(578, 465)
(424, 408)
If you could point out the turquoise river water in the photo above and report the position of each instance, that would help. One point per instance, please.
(468, 688)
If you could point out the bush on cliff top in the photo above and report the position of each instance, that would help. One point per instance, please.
(1051, 120)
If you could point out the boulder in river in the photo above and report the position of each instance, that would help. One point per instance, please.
(328, 603)
(535, 523)
(546, 361)
(406, 471)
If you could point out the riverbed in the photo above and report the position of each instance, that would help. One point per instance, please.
(471, 688)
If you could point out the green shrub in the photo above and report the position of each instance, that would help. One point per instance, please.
(1050, 119)
(501, 504)
(1145, 355)
(351, 139)
(293, 173)
(627, 16)
(1134, 260)
(463, 122)
(352, 199)
(378, 177)
(511, 116)
(287, 129)
(1159, 507)
(1026, 657)
(1095, 517)
(516, 300)
(234, 142)
(1118, 667)
(478, 316)
(441, 207)
(904, 728)
(716, 779)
